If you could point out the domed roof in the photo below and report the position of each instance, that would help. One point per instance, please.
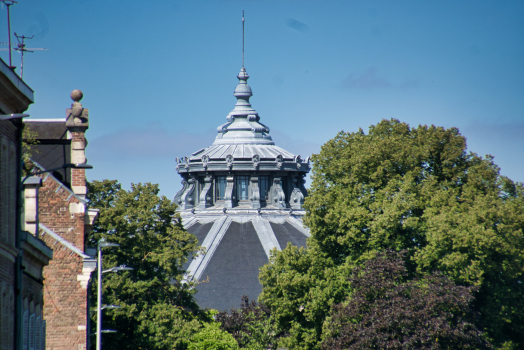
(243, 123)
(243, 142)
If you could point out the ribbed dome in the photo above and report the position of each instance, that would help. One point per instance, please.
(243, 123)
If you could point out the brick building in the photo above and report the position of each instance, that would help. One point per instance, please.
(64, 221)
(22, 254)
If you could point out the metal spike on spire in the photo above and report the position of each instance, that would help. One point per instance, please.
(242, 38)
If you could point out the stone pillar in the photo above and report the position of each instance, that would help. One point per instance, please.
(255, 192)
(228, 198)
(77, 123)
(31, 187)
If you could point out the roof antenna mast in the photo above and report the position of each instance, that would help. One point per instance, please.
(21, 48)
(8, 3)
(242, 38)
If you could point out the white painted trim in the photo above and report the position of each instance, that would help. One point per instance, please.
(45, 120)
(63, 241)
(211, 242)
(298, 225)
(265, 234)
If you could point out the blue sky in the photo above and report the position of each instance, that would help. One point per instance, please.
(158, 76)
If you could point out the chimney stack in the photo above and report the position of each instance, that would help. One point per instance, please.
(77, 122)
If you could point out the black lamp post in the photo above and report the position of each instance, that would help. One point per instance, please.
(99, 307)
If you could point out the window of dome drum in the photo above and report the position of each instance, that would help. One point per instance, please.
(242, 183)
(220, 188)
(264, 187)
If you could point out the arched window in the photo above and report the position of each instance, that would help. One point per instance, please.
(25, 330)
(42, 334)
(3, 317)
(11, 317)
(38, 332)
(11, 211)
(4, 185)
(32, 321)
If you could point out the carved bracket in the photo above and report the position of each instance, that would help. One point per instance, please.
(206, 196)
(297, 197)
(178, 196)
(279, 197)
(187, 197)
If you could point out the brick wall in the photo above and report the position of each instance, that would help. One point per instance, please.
(65, 301)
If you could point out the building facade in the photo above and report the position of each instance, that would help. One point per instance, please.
(63, 222)
(241, 197)
(23, 254)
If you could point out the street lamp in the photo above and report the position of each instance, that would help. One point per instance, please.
(102, 244)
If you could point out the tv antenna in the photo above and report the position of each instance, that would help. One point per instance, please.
(8, 3)
(20, 47)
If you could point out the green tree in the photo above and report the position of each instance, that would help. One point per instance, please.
(212, 337)
(158, 311)
(403, 189)
(251, 325)
(387, 311)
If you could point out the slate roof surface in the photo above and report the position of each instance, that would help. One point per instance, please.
(236, 247)
(233, 269)
(53, 148)
(48, 130)
(286, 233)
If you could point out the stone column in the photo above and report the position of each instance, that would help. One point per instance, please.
(255, 192)
(228, 198)
(31, 187)
(77, 123)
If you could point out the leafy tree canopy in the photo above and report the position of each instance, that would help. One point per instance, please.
(158, 312)
(412, 189)
(251, 325)
(386, 311)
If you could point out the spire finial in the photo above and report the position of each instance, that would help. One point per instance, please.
(242, 38)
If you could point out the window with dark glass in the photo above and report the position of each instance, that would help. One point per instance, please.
(242, 183)
(285, 187)
(264, 187)
(220, 188)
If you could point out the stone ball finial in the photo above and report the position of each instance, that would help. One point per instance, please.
(76, 95)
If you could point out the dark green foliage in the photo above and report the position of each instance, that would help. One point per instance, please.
(251, 325)
(388, 311)
(158, 312)
(412, 189)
